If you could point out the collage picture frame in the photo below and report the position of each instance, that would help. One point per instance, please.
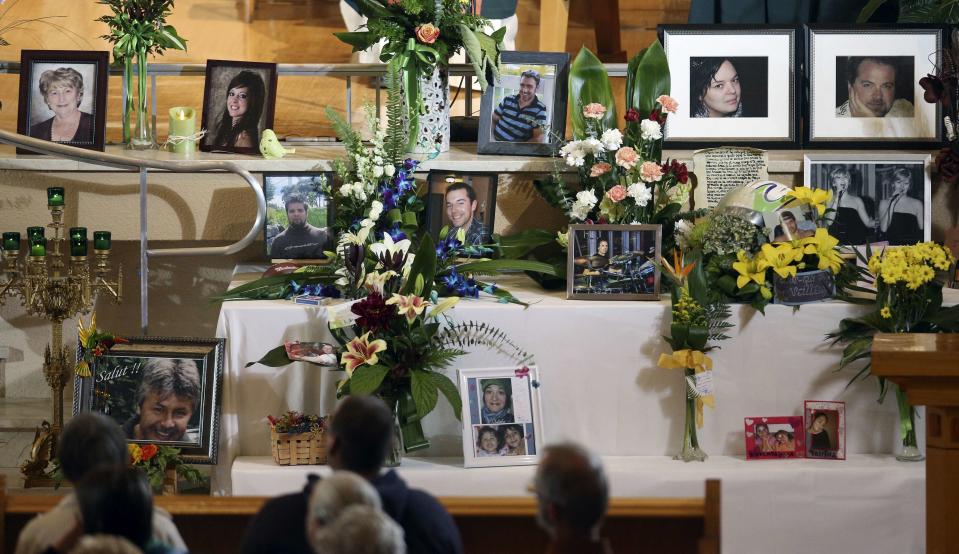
(502, 416)
(160, 390)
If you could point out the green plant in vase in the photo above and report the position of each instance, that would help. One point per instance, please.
(907, 299)
(138, 29)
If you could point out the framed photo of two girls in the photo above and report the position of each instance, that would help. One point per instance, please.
(817, 86)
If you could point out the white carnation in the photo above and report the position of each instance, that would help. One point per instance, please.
(573, 152)
(376, 209)
(389, 170)
(346, 189)
(640, 193)
(378, 171)
(651, 130)
(586, 197)
(612, 139)
(592, 146)
(579, 211)
(682, 230)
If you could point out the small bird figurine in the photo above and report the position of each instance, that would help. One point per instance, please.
(271, 148)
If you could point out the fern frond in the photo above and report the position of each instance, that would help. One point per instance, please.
(349, 137)
(468, 334)
(396, 127)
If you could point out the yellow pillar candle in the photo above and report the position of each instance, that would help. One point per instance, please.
(183, 124)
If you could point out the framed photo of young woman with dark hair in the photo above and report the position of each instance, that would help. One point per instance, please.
(239, 100)
(735, 84)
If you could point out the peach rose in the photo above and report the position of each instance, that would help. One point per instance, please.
(626, 157)
(650, 172)
(616, 193)
(601, 168)
(668, 103)
(427, 33)
(594, 110)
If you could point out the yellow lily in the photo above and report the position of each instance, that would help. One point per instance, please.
(750, 269)
(817, 198)
(444, 305)
(409, 305)
(824, 245)
(361, 351)
(781, 257)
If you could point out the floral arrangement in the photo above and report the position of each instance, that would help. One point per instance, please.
(93, 344)
(420, 35)
(155, 461)
(294, 422)
(907, 299)
(138, 29)
(943, 88)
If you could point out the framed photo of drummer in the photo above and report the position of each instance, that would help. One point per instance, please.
(613, 262)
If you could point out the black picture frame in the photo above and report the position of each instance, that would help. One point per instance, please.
(923, 62)
(486, 143)
(212, 117)
(325, 202)
(118, 373)
(670, 35)
(623, 269)
(436, 185)
(30, 113)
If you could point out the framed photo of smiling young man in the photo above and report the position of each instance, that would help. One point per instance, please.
(160, 390)
(864, 86)
(502, 419)
(735, 84)
(461, 201)
(239, 99)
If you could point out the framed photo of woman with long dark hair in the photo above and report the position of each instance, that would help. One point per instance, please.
(736, 85)
(239, 99)
(63, 97)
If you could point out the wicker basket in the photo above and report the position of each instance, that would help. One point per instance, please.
(295, 449)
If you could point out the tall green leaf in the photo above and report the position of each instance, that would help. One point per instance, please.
(497, 265)
(649, 79)
(274, 358)
(589, 82)
(424, 265)
(449, 390)
(424, 391)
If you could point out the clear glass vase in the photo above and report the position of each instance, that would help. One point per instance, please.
(691, 451)
(395, 456)
(142, 137)
(907, 430)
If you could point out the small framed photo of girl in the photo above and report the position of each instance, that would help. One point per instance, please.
(774, 437)
(736, 85)
(502, 421)
(825, 430)
(63, 97)
(239, 99)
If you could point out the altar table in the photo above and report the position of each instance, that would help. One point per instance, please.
(600, 386)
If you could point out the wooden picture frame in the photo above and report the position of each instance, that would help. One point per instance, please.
(627, 269)
(276, 193)
(222, 77)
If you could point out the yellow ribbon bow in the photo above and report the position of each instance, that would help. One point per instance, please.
(698, 362)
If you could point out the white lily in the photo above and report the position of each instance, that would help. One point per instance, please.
(389, 247)
(376, 280)
(443, 305)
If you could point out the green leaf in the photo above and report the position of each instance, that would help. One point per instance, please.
(424, 391)
(449, 390)
(868, 10)
(424, 263)
(651, 78)
(481, 266)
(589, 82)
(274, 358)
(359, 40)
(373, 9)
(698, 337)
(483, 53)
(172, 39)
(366, 379)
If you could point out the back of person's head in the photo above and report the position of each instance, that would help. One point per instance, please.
(359, 529)
(571, 488)
(89, 441)
(116, 501)
(105, 544)
(362, 433)
(333, 494)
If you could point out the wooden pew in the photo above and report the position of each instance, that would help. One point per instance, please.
(213, 524)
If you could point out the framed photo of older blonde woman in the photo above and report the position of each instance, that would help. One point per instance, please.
(63, 96)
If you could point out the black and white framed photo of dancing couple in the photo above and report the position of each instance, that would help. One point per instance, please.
(864, 86)
(613, 262)
(239, 99)
(160, 390)
(524, 112)
(63, 97)
(878, 199)
(735, 84)
(502, 416)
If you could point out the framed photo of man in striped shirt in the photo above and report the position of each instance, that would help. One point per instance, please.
(524, 113)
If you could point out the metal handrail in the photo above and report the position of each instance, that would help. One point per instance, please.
(143, 165)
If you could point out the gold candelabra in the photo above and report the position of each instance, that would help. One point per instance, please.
(54, 290)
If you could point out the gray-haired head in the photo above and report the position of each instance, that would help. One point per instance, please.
(335, 493)
(531, 74)
(166, 376)
(572, 489)
(359, 529)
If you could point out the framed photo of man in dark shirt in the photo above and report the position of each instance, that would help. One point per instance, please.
(299, 215)
(524, 112)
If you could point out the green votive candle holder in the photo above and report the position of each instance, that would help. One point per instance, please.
(78, 232)
(11, 241)
(55, 196)
(101, 240)
(38, 247)
(35, 233)
(78, 246)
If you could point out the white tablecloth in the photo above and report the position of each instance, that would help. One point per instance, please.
(600, 384)
(868, 503)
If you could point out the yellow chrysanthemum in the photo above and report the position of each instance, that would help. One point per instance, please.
(886, 313)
